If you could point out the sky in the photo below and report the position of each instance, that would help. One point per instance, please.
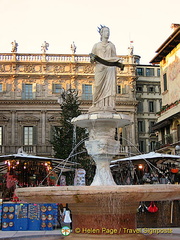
(60, 22)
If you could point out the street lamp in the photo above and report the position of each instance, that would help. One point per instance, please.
(177, 150)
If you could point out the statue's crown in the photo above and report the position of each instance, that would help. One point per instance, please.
(100, 28)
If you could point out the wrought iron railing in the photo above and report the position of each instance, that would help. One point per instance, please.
(167, 139)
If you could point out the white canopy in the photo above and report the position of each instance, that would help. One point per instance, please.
(58, 164)
(148, 156)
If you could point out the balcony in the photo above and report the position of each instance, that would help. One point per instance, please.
(167, 140)
(38, 150)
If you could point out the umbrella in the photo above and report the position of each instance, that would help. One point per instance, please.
(148, 156)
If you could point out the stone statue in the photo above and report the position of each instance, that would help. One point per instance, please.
(73, 48)
(104, 56)
(14, 46)
(44, 47)
(131, 49)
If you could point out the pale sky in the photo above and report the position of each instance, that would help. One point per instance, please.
(60, 22)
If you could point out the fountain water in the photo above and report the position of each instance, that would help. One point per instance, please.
(103, 210)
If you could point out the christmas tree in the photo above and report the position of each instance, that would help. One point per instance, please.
(67, 137)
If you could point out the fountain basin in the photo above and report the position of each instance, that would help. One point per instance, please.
(99, 209)
(92, 194)
(113, 119)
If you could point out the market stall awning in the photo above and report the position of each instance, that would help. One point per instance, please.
(58, 164)
(148, 156)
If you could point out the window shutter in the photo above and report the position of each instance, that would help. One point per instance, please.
(165, 81)
(23, 91)
(83, 88)
(4, 87)
(34, 90)
(53, 87)
(124, 90)
(143, 126)
(35, 135)
(23, 135)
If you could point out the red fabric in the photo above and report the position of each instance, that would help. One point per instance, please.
(152, 208)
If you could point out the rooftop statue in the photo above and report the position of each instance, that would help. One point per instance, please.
(14, 46)
(104, 56)
(44, 47)
(73, 48)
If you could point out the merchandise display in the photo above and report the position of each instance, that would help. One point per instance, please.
(29, 216)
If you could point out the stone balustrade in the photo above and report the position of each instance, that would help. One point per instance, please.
(83, 58)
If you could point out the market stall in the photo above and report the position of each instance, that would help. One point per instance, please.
(24, 170)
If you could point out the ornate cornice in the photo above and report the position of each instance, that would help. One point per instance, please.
(28, 102)
(3, 118)
(28, 119)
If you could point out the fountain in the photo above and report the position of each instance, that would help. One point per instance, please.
(103, 210)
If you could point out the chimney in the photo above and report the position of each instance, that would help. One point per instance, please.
(174, 26)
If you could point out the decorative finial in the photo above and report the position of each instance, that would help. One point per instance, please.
(14, 46)
(44, 47)
(73, 48)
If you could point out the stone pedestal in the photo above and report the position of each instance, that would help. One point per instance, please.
(101, 145)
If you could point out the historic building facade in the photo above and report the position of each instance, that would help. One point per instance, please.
(30, 88)
(168, 124)
(148, 95)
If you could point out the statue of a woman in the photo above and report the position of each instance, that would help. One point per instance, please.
(104, 55)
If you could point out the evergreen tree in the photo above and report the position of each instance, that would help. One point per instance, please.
(67, 136)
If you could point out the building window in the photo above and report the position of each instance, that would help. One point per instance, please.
(151, 124)
(30, 135)
(139, 88)
(149, 72)
(56, 88)
(140, 71)
(27, 91)
(140, 107)
(151, 106)
(118, 89)
(158, 72)
(152, 146)
(1, 134)
(86, 92)
(1, 87)
(142, 146)
(141, 126)
(151, 89)
(165, 81)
